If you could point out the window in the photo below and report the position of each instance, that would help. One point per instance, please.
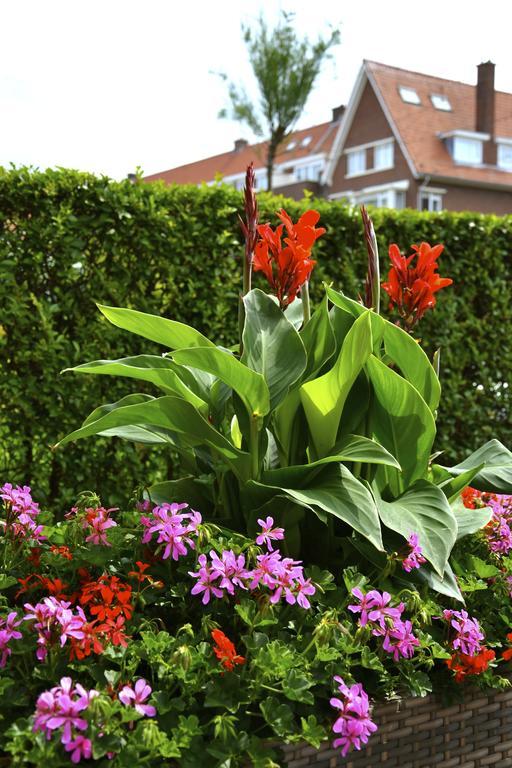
(409, 95)
(291, 146)
(431, 201)
(308, 172)
(467, 150)
(441, 102)
(383, 156)
(356, 162)
(306, 141)
(505, 156)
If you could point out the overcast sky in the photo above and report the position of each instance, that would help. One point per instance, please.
(109, 85)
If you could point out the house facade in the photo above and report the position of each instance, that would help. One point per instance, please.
(405, 139)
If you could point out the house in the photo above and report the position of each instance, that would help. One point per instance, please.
(405, 139)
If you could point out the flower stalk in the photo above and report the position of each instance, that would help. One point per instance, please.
(372, 282)
(250, 231)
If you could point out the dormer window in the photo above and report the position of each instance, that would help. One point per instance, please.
(465, 147)
(467, 151)
(409, 95)
(291, 145)
(440, 102)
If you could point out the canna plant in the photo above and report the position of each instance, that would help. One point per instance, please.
(324, 421)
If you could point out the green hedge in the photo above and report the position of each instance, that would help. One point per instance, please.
(70, 239)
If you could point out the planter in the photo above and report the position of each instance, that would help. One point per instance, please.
(421, 733)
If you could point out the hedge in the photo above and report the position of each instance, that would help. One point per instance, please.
(70, 239)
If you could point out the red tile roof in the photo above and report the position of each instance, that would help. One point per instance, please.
(419, 125)
(235, 162)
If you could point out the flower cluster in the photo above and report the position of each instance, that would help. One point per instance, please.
(499, 529)
(54, 621)
(174, 528)
(225, 651)
(414, 558)
(21, 513)
(412, 288)
(464, 665)
(97, 521)
(385, 621)
(354, 724)
(467, 636)
(288, 268)
(283, 576)
(61, 709)
(8, 631)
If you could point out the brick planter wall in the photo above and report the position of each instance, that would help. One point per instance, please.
(421, 733)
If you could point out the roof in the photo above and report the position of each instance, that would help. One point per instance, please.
(236, 162)
(419, 125)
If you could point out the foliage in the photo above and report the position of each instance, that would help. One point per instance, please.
(69, 239)
(327, 422)
(285, 69)
(176, 678)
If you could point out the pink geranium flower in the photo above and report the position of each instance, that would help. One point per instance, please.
(137, 696)
(268, 533)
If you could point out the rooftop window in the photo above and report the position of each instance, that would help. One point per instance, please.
(409, 95)
(305, 141)
(441, 102)
(291, 145)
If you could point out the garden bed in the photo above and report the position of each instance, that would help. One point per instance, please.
(422, 733)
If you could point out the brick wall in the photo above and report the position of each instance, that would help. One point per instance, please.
(421, 733)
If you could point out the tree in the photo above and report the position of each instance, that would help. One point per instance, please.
(285, 68)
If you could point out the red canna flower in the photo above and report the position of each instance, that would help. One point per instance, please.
(288, 268)
(412, 288)
(507, 655)
(464, 665)
(225, 651)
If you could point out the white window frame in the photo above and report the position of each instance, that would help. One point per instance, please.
(434, 199)
(409, 95)
(352, 157)
(440, 102)
(467, 150)
(309, 172)
(381, 195)
(387, 149)
(504, 149)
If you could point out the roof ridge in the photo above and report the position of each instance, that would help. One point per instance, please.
(421, 74)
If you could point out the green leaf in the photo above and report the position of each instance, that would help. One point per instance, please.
(7, 581)
(296, 687)
(161, 371)
(482, 569)
(423, 509)
(169, 333)
(336, 491)
(279, 716)
(356, 309)
(272, 346)
(152, 435)
(312, 732)
(174, 414)
(470, 520)
(402, 422)
(319, 342)
(496, 476)
(453, 486)
(249, 385)
(323, 398)
(447, 585)
(193, 490)
(413, 362)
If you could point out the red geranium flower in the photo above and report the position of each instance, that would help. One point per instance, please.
(412, 288)
(464, 665)
(507, 655)
(288, 268)
(225, 651)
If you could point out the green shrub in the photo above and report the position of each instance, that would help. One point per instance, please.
(70, 239)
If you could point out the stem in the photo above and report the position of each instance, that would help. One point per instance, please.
(306, 306)
(254, 447)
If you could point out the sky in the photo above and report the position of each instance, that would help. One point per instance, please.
(111, 85)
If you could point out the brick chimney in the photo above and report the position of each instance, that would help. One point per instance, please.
(240, 144)
(337, 113)
(485, 109)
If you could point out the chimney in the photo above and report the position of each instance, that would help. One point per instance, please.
(240, 144)
(337, 112)
(485, 109)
